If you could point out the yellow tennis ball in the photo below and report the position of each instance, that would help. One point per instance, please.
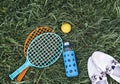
(66, 27)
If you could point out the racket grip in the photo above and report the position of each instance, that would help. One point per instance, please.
(22, 74)
(20, 69)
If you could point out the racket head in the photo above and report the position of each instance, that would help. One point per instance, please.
(44, 50)
(37, 31)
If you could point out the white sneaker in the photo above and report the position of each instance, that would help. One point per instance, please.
(107, 64)
(96, 75)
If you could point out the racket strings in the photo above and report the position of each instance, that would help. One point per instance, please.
(35, 33)
(45, 50)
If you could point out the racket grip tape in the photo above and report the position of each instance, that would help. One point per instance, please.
(22, 74)
(19, 70)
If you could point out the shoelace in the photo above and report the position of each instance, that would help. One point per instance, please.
(99, 79)
(113, 69)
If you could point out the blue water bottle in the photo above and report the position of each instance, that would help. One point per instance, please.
(69, 61)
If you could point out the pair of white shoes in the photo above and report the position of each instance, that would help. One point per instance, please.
(100, 65)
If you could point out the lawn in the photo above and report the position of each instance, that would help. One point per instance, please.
(95, 26)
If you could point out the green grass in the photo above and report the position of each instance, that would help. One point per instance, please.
(95, 26)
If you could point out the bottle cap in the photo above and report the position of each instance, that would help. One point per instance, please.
(66, 44)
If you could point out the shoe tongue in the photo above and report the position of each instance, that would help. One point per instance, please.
(116, 71)
(101, 82)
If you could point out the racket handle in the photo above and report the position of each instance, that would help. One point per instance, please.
(20, 69)
(22, 74)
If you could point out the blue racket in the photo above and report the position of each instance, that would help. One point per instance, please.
(43, 51)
